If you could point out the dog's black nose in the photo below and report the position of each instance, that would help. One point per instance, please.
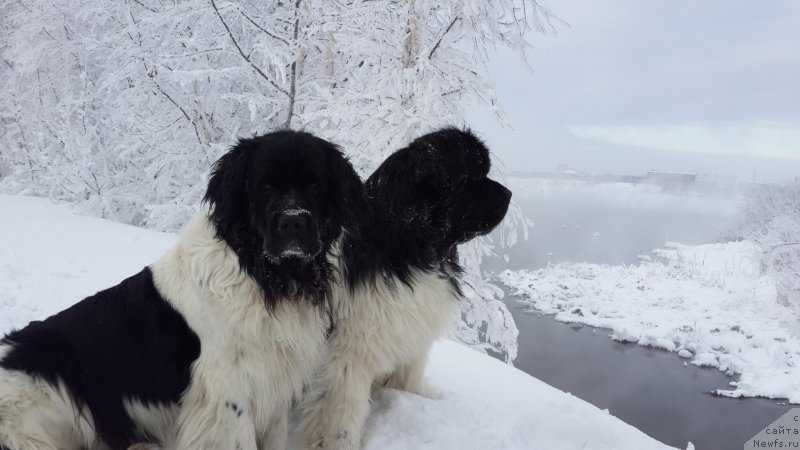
(292, 224)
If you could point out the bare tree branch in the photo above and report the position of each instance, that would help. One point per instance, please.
(293, 82)
(241, 52)
(273, 36)
(183, 111)
(439, 42)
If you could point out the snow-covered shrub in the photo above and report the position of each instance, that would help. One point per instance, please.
(120, 107)
(772, 220)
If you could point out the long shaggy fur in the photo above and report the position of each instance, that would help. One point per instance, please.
(253, 363)
(401, 289)
(207, 347)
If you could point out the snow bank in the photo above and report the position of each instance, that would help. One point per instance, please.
(488, 405)
(709, 303)
(50, 258)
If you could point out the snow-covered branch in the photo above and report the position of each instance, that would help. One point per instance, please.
(245, 57)
(772, 220)
(120, 107)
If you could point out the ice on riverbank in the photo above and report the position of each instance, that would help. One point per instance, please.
(709, 303)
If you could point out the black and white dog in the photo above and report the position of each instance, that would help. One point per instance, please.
(207, 347)
(401, 285)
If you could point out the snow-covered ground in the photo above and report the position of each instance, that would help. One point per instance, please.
(709, 303)
(49, 258)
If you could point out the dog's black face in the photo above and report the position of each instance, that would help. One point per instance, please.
(478, 209)
(291, 208)
(437, 192)
(280, 201)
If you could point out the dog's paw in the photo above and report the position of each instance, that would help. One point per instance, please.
(142, 446)
(340, 442)
(417, 387)
(424, 389)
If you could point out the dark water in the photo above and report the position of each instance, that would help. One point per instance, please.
(647, 388)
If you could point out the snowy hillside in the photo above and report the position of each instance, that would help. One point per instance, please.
(50, 258)
(712, 304)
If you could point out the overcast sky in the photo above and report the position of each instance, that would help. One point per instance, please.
(709, 86)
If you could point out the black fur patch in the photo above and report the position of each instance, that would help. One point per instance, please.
(279, 201)
(125, 342)
(424, 200)
(262, 177)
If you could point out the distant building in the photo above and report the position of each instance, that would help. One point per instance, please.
(718, 185)
(673, 181)
(565, 171)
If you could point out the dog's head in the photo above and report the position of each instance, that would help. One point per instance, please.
(437, 189)
(280, 201)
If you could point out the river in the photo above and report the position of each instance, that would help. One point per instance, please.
(650, 389)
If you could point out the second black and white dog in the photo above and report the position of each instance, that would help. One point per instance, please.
(401, 289)
(206, 348)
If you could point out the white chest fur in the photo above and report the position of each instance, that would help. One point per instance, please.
(392, 322)
(252, 361)
(384, 330)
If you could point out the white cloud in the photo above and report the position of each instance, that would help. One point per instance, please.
(764, 139)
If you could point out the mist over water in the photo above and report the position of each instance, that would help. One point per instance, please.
(612, 223)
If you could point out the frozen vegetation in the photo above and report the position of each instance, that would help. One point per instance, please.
(55, 258)
(120, 108)
(772, 220)
(713, 304)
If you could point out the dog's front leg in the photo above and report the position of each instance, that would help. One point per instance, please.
(277, 432)
(410, 377)
(336, 407)
(216, 415)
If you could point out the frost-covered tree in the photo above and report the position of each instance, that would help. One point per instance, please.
(772, 220)
(120, 106)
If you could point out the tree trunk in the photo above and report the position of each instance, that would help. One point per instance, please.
(409, 64)
(293, 76)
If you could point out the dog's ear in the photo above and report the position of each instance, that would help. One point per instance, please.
(347, 186)
(409, 194)
(409, 182)
(227, 186)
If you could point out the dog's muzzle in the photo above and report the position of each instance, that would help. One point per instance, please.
(294, 234)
